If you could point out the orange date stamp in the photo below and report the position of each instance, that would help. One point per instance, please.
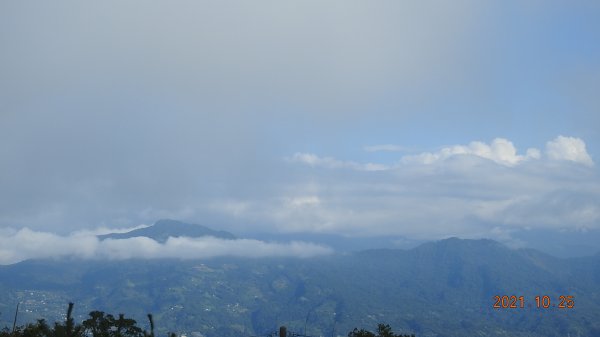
(539, 302)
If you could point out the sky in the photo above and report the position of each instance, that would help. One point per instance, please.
(418, 121)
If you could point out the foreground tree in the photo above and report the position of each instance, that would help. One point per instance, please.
(383, 330)
(67, 329)
(42, 329)
(98, 325)
(101, 325)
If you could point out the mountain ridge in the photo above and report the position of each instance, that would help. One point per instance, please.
(444, 288)
(162, 229)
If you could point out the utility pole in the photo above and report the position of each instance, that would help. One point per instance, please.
(306, 321)
(334, 321)
(15, 321)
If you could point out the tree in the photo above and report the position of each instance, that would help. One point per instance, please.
(383, 330)
(42, 329)
(151, 334)
(68, 329)
(101, 325)
(98, 325)
(39, 329)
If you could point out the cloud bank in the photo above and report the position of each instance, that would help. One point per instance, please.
(16, 246)
(473, 190)
(332, 163)
(500, 150)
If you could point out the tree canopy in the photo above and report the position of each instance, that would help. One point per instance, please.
(98, 325)
(383, 330)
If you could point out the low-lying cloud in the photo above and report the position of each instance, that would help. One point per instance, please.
(16, 246)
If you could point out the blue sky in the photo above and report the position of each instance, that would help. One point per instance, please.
(117, 114)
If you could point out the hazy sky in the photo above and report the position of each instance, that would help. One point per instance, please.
(416, 119)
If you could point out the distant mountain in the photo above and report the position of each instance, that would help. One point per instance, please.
(163, 229)
(445, 288)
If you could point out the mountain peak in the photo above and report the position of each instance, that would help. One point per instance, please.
(162, 229)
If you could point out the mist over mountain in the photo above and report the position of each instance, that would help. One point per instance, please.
(161, 230)
(443, 288)
(341, 243)
(165, 239)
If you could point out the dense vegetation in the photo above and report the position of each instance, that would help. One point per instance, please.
(98, 324)
(383, 330)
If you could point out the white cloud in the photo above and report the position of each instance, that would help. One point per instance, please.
(568, 148)
(386, 148)
(106, 230)
(27, 244)
(533, 153)
(306, 201)
(332, 163)
(464, 190)
(501, 151)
